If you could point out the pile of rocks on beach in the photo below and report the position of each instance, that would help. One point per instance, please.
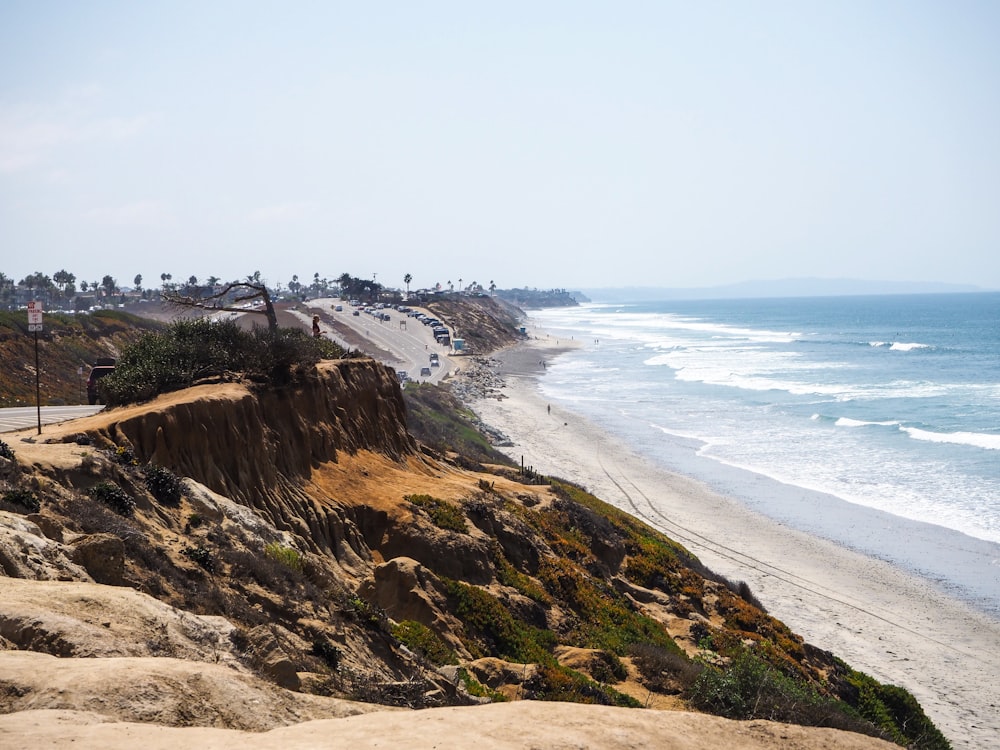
(479, 378)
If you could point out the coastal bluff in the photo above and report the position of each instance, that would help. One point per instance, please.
(234, 564)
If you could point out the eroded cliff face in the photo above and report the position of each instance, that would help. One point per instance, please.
(248, 445)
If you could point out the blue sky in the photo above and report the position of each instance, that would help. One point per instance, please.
(568, 144)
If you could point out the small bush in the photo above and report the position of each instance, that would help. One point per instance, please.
(558, 683)
(24, 499)
(124, 456)
(6, 451)
(326, 651)
(286, 556)
(423, 641)
(164, 485)
(491, 629)
(750, 688)
(662, 670)
(369, 615)
(202, 556)
(475, 688)
(443, 514)
(114, 497)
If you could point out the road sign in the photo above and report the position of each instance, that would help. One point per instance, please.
(34, 316)
(34, 326)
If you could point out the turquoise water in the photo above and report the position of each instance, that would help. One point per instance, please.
(890, 404)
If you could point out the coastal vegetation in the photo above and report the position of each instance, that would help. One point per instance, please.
(187, 352)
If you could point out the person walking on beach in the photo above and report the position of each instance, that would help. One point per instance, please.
(315, 326)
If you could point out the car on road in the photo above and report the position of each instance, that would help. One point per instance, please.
(102, 368)
(425, 372)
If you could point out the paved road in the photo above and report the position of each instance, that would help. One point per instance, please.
(409, 340)
(22, 417)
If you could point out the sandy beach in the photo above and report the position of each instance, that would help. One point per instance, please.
(879, 619)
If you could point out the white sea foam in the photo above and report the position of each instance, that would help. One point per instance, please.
(899, 346)
(976, 439)
(848, 422)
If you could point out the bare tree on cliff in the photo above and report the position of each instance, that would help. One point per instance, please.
(229, 298)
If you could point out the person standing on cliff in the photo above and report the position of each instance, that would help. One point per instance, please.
(316, 326)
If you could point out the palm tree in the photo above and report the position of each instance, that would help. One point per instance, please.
(137, 281)
(492, 287)
(406, 280)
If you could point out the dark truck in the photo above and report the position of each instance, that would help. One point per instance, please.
(103, 366)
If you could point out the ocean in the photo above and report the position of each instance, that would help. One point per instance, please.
(875, 421)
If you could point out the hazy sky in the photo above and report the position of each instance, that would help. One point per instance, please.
(566, 144)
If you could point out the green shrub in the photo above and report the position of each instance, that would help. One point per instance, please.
(662, 670)
(164, 485)
(508, 575)
(367, 614)
(201, 556)
(421, 640)
(114, 497)
(328, 652)
(554, 682)
(191, 350)
(287, 556)
(492, 630)
(475, 688)
(23, 498)
(897, 714)
(124, 456)
(750, 688)
(443, 514)
(6, 451)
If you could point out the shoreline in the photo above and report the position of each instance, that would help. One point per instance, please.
(880, 619)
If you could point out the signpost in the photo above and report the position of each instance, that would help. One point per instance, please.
(34, 326)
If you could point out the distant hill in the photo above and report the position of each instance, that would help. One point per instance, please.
(804, 287)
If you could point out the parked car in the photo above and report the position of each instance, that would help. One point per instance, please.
(103, 367)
